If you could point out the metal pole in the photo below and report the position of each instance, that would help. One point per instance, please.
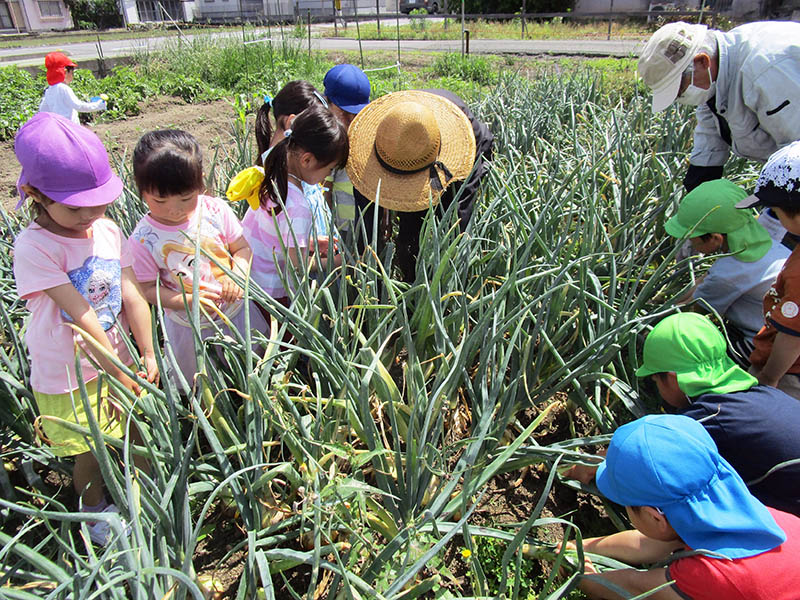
(378, 15)
(309, 33)
(397, 19)
(335, 25)
(462, 29)
(466, 38)
(524, 3)
(610, 19)
(358, 31)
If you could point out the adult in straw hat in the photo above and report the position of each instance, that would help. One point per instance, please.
(414, 149)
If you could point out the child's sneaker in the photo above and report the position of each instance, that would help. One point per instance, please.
(100, 531)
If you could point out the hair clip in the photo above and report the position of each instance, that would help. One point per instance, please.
(321, 98)
(268, 100)
(287, 133)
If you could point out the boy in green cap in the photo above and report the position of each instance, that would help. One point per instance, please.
(754, 426)
(735, 285)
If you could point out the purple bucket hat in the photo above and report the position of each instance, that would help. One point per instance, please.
(64, 161)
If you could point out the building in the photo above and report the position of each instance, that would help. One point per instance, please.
(34, 15)
(285, 10)
(149, 11)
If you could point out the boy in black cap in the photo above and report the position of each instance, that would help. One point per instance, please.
(776, 358)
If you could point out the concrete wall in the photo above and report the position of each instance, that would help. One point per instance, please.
(29, 16)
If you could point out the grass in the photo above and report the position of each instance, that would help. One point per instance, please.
(354, 456)
(450, 29)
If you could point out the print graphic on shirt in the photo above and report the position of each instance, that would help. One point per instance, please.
(180, 260)
(98, 280)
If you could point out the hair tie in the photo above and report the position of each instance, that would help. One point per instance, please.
(287, 133)
(321, 98)
(245, 185)
(267, 100)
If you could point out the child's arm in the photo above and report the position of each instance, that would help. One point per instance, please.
(68, 299)
(138, 313)
(171, 299)
(635, 582)
(631, 547)
(784, 353)
(241, 255)
(81, 106)
(328, 259)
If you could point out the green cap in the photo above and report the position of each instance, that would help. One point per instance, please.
(711, 208)
(689, 345)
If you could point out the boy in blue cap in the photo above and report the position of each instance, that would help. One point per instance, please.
(347, 90)
(680, 495)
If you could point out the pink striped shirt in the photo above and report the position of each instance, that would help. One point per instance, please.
(268, 235)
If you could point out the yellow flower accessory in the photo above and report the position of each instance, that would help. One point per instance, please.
(245, 185)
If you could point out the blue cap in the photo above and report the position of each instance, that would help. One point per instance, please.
(347, 87)
(670, 462)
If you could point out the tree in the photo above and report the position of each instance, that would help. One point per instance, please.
(94, 14)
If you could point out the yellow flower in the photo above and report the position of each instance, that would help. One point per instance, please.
(466, 553)
(245, 186)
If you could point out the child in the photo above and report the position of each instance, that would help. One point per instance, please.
(754, 426)
(72, 265)
(168, 169)
(680, 495)
(315, 144)
(294, 98)
(59, 97)
(735, 285)
(347, 91)
(776, 358)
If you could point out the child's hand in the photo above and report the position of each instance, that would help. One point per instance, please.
(324, 246)
(582, 473)
(150, 372)
(231, 292)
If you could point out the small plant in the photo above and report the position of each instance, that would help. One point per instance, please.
(418, 22)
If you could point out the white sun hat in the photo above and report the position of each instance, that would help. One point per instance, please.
(666, 56)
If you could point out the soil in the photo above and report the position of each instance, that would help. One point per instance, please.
(209, 122)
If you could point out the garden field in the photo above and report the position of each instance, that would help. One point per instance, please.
(407, 442)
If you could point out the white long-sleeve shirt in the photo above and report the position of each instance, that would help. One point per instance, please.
(758, 94)
(60, 99)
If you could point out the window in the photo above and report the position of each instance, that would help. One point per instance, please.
(50, 8)
(5, 16)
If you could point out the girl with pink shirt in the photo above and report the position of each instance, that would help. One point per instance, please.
(168, 169)
(279, 228)
(73, 268)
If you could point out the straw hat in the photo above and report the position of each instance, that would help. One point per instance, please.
(411, 145)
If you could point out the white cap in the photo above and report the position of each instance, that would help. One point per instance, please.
(666, 56)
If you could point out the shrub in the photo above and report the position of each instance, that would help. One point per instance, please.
(95, 14)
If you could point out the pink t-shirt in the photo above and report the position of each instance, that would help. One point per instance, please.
(771, 575)
(167, 252)
(264, 233)
(44, 260)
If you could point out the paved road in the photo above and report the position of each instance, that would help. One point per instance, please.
(84, 51)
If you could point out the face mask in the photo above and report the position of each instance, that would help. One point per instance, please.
(695, 96)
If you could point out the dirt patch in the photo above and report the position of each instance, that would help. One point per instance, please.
(209, 122)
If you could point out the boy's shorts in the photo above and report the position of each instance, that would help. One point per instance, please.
(69, 407)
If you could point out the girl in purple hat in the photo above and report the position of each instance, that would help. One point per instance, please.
(72, 267)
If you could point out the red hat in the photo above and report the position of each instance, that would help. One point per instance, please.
(56, 64)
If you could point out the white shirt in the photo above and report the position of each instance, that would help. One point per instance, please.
(736, 289)
(60, 99)
(758, 94)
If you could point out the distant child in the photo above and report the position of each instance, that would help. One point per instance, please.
(314, 144)
(681, 495)
(59, 97)
(72, 266)
(168, 169)
(347, 91)
(294, 98)
(735, 285)
(776, 358)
